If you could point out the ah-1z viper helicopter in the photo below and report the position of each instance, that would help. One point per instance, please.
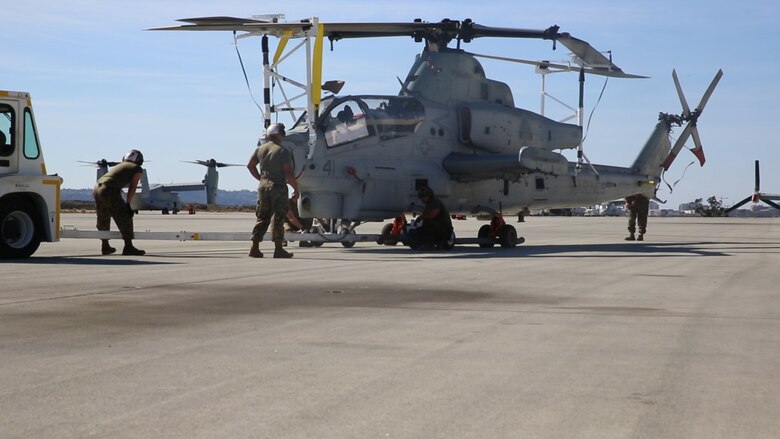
(450, 128)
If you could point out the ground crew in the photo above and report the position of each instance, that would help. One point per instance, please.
(638, 207)
(276, 171)
(110, 204)
(436, 225)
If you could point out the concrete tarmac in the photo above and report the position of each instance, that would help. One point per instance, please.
(574, 334)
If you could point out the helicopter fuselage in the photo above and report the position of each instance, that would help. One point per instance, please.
(458, 132)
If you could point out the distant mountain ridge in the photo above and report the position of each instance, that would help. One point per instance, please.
(224, 198)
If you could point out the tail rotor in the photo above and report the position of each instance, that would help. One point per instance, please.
(690, 118)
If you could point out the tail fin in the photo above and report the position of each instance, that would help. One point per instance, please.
(651, 157)
(144, 183)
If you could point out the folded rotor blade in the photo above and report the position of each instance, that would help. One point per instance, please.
(699, 153)
(337, 31)
(564, 67)
(698, 150)
(686, 108)
(334, 31)
(471, 30)
(696, 138)
(677, 146)
(220, 20)
(584, 51)
(237, 24)
(709, 91)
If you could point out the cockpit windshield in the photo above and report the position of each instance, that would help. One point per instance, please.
(356, 117)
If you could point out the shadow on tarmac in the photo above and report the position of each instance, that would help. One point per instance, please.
(635, 249)
(82, 260)
(199, 304)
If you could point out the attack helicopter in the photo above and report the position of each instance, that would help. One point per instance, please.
(450, 127)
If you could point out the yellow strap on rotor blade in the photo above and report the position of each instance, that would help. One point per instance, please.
(282, 44)
(316, 77)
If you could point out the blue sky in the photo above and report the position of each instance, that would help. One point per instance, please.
(101, 85)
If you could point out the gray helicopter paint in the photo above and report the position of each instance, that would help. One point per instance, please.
(160, 196)
(374, 179)
(514, 164)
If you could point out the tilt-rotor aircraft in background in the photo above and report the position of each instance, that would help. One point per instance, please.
(363, 157)
(165, 197)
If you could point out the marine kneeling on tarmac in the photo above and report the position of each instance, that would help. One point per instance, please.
(110, 204)
(436, 224)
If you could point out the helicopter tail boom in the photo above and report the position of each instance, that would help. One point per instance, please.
(651, 157)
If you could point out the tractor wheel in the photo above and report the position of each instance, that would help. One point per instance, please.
(19, 233)
(484, 232)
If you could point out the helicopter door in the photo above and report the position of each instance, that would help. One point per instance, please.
(344, 123)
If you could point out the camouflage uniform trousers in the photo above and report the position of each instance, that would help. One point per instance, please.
(637, 214)
(110, 204)
(272, 201)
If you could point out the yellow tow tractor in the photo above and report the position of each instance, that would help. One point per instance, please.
(29, 196)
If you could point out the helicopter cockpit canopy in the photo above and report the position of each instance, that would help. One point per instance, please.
(351, 118)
